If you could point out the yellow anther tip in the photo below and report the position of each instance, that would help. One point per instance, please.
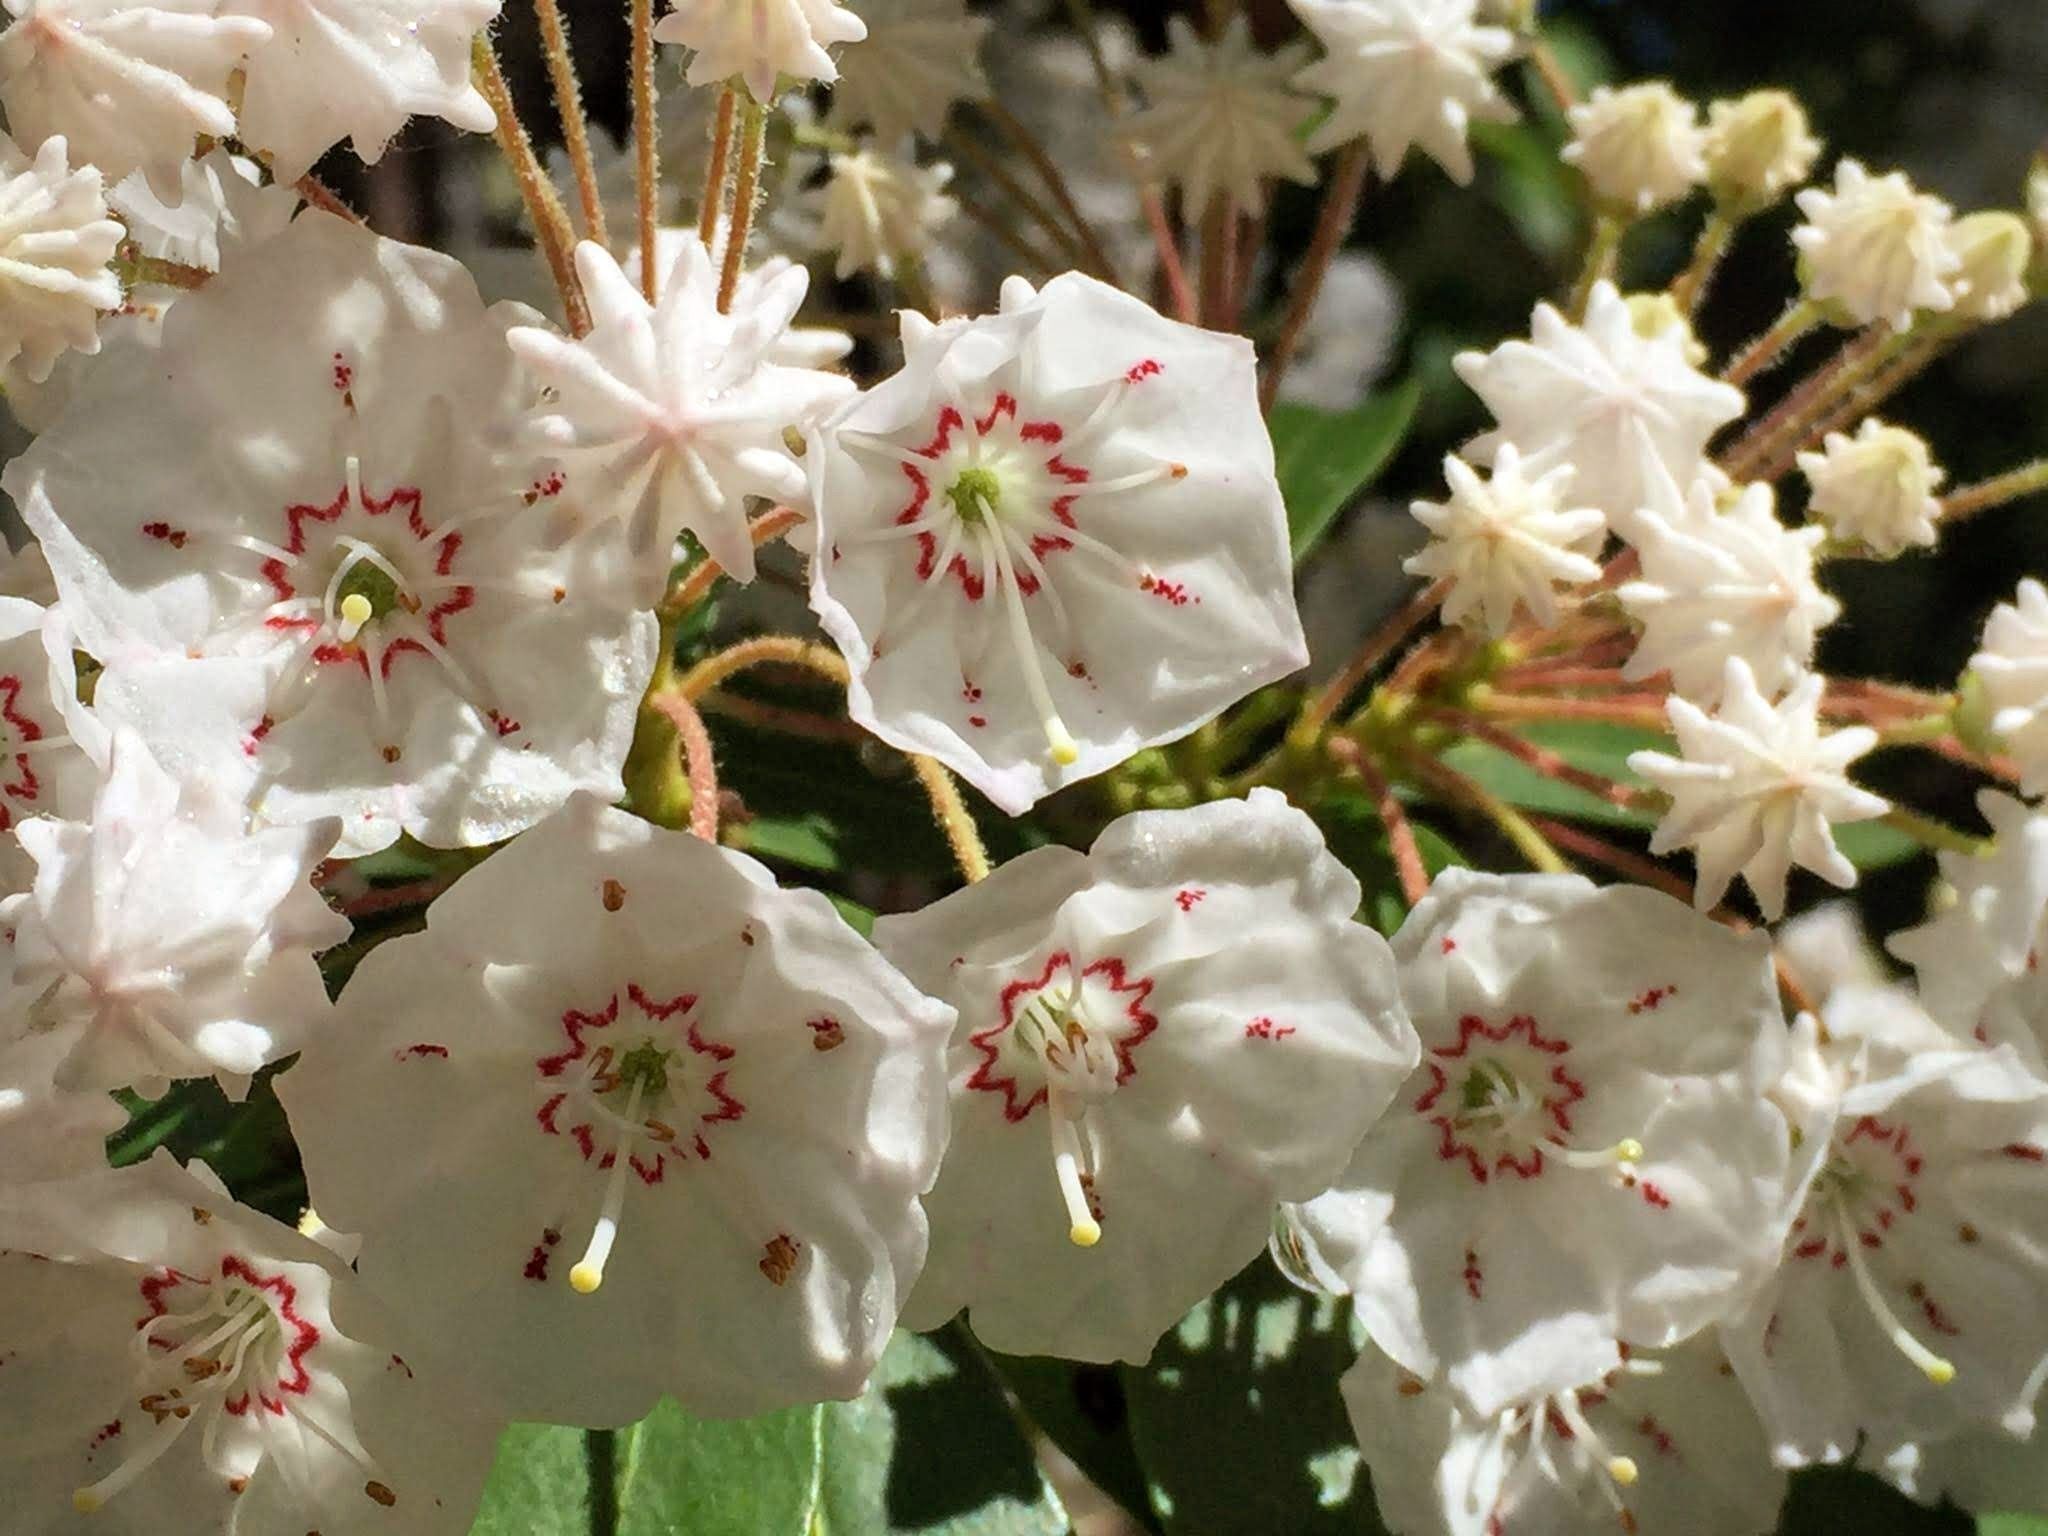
(1940, 1372)
(1623, 1470)
(1084, 1234)
(85, 1501)
(584, 1279)
(1629, 1150)
(356, 609)
(1066, 754)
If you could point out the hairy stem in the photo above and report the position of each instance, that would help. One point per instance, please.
(714, 170)
(543, 207)
(1341, 196)
(646, 149)
(745, 188)
(554, 41)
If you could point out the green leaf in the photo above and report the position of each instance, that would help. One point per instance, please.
(2012, 1525)
(1351, 825)
(1873, 845)
(1595, 746)
(1237, 1420)
(809, 841)
(537, 1485)
(1081, 1409)
(1325, 458)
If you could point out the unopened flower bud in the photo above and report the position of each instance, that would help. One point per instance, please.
(1758, 147)
(1877, 247)
(1876, 488)
(1996, 249)
(1640, 147)
(1656, 315)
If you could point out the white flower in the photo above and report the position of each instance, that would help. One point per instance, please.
(1585, 1153)
(1757, 789)
(162, 940)
(1617, 405)
(45, 1131)
(312, 576)
(757, 40)
(1996, 250)
(2012, 664)
(1640, 147)
(1219, 119)
(1156, 1041)
(1402, 74)
(223, 205)
(669, 417)
(1826, 947)
(55, 243)
(1876, 488)
(1506, 543)
(796, 346)
(1758, 147)
(615, 1034)
(187, 1363)
(356, 70)
(1663, 1442)
(919, 57)
(877, 210)
(1720, 584)
(1053, 538)
(51, 746)
(1907, 1301)
(128, 85)
(1877, 247)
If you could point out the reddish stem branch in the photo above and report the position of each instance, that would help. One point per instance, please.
(1340, 208)
(646, 145)
(1378, 645)
(1401, 843)
(693, 587)
(1541, 759)
(695, 743)
(714, 170)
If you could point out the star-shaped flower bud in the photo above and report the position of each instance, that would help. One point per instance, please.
(1640, 147)
(1722, 584)
(1757, 788)
(2012, 664)
(609, 1157)
(918, 59)
(1219, 119)
(1617, 405)
(162, 940)
(1876, 488)
(1053, 538)
(1907, 1300)
(670, 416)
(128, 85)
(1877, 247)
(175, 1357)
(55, 243)
(1997, 252)
(1506, 543)
(315, 575)
(760, 40)
(1758, 148)
(1405, 74)
(1585, 1152)
(878, 211)
(1156, 1042)
(1664, 1441)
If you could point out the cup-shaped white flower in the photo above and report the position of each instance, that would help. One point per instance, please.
(627, 1120)
(55, 243)
(1877, 247)
(1053, 538)
(1405, 74)
(176, 1361)
(1585, 1152)
(919, 57)
(1721, 584)
(1615, 404)
(2012, 664)
(669, 416)
(760, 40)
(314, 575)
(357, 70)
(1876, 488)
(1664, 1441)
(1157, 1040)
(1640, 147)
(1758, 788)
(128, 85)
(161, 939)
(1219, 119)
(1907, 1300)
(1506, 543)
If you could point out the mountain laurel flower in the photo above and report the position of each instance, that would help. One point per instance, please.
(1758, 148)
(1054, 537)
(1723, 583)
(45, 1131)
(1506, 543)
(1621, 407)
(760, 40)
(919, 57)
(1758, 788)
(316, 577)
(161, 939)
(1996, 249)
(1876, 488)
(1219, 119)
(1877, 247)
(879, 211)
(1156, 1041)
(187, 1363)
(340, 69)
(1907, 1300)
(1404, 74)
(605, 1157)
(56, 241)
(1640, 147)
(2012, 664)
(52, 748)
(1664, 1441)
(127, 85)
(669, 416)
(1585, 1153)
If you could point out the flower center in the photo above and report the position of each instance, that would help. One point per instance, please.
(975, 493)
(368, 590)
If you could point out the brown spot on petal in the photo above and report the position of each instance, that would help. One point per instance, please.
(778, 1259)
(201, 1215)
(390, 754)
(614, 895)
(379, 1494)
(1408, 1386)
(238, 1485)
(1967, 1233)
(826, 1034)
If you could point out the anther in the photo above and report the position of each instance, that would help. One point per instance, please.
(1057, 738)
(1936, 1369)
(355, 613)
(1083, 1230)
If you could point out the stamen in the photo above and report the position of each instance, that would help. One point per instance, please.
(355, 613)
(1627, 1150)
(1058, 739)
(1083, 1231)
(1164, 470)
(1621, 1468)
(862, 442)
(352, 479)
(588, 1274)
(94, 1496)
(1937, 1370)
